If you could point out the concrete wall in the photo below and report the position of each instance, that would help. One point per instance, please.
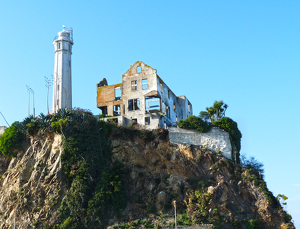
(177, 107)
(2, 128)
(216, 139)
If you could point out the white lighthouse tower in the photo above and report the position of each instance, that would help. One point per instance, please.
(62, 83)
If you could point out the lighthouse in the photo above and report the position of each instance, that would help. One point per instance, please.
(62, 79)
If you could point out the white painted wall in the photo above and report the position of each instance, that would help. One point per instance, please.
(62, 85)
(2, 129)
(216, 139)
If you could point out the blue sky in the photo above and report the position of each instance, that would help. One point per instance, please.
(243, 52)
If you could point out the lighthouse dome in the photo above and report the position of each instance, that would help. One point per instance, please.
(64, 35)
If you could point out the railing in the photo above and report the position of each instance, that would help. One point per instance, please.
(70, 31)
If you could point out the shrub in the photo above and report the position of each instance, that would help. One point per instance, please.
(196, 123)
(10, 141)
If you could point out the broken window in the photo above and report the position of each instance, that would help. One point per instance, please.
(145, 84)
(168, 111)
(117, 93)
(138, 69)
(133, 104)
(134, 85)
(103, 110)
(117, 110)
(152, 104)
(147, 120)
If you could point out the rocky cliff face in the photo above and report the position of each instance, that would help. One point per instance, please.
(32, 183)
(208, 188)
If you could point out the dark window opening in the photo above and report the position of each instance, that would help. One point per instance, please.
(152, 104)
(147, 120)
(145, 84)
(169, 92)
(138, 69)
(124, 109)
(134, 85)
(117, 110)
(168, 111)
(134, 121)
(133, 104)
(103, 111)
(58, 45)
(117, 93)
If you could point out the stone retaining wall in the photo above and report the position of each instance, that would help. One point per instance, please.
(216, 139)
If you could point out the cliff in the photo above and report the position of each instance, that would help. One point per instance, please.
(126, 175)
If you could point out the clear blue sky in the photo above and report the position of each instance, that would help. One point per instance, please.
(244, 52)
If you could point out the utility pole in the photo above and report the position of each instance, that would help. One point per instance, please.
(48, 84)
(32, 91)
(175, 214)
(28, 89)
(15, 219)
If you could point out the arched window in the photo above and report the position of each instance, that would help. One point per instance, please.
(138, 69)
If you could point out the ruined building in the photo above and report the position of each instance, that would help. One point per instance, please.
(142, 98)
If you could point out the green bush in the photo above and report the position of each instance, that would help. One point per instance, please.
(196, 123)
(10, 141)
(235, 135)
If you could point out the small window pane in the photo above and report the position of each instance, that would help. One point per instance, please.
(145, 84)
(134, 85)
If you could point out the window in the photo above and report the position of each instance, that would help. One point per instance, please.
(138, 69)
(145, 84)
(189, 108)
(103, 110)
(124, 109)
(134, 85)
(117, 110)
(69, 63)
(147, 120)
(168, 111)
(117, 93)
(133, 104)
(169, 92)
(174, 107)
(134, 121)
(58, 46)
(161, 87)
(152, 104)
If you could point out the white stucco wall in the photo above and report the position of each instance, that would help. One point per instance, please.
(216, 139)
(2, 129)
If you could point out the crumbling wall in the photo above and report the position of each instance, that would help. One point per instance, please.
(2, 129)
(216, 139)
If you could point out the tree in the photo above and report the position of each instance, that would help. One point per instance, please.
(214, 113)
(10, 141)
(253, 164)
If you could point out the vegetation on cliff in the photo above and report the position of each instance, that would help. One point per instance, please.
(122, 177)
(215, 116)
